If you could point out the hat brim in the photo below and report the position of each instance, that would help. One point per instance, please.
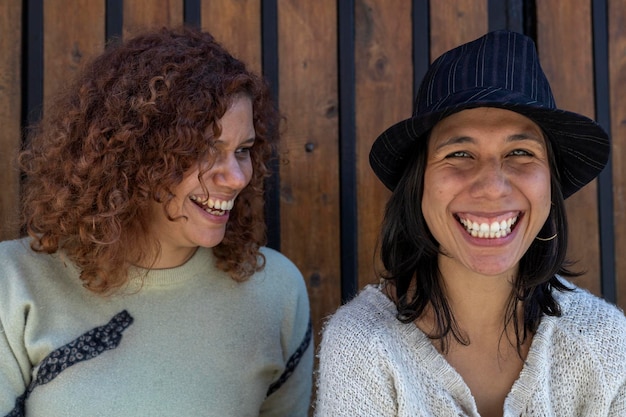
(581, 145)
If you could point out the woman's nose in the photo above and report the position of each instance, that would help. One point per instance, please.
(491, 181)
(231, 172)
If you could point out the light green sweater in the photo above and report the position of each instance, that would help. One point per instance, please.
(188, 342)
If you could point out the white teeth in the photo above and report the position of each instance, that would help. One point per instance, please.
(494, 230)
(211, 205)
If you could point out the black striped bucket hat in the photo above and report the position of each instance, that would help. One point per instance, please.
(500, 69)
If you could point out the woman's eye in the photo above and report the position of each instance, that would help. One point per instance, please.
(458, 154)
(243, 152)
(521, 152)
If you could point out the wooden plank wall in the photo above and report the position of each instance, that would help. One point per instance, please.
(325, 112)
(10, 114)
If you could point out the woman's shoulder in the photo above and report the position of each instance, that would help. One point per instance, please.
(275, 261)
(596, 324)
(17, 258)
(278, 266)
(369, 315)
(27, 276)
(15, 248)
(585, 312)
(279, 275)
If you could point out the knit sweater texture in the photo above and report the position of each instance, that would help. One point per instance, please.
(373, 365)
(185, 341)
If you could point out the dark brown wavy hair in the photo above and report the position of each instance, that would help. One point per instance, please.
(122, 135)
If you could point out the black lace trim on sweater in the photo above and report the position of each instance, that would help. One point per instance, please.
(85, 347)
(103, 338)
(293, 361)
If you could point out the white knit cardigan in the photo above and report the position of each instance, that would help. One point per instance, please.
(370, 364)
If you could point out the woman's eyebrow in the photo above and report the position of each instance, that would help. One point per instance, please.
(249, 141)
(455, 140)
(525, 136)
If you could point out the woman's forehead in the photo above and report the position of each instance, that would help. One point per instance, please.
(471, 124)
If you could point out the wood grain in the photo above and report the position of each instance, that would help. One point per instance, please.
(453, 23)
(74, 32)
(237, 25)
(10, 113)
(309, 179)
(141, 15)
(384, 96)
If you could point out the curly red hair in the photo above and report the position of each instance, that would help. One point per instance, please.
(136, 119)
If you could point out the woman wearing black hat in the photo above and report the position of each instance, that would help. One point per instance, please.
(472, 316)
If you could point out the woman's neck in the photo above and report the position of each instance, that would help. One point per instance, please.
(479, 302)
(163, 257)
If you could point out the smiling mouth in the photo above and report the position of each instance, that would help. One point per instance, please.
(493, 230)
(211, 206)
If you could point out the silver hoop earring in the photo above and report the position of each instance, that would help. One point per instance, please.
(546, 239)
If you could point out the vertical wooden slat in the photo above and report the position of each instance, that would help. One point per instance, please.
(10, 106)
(141, 15)
(455, 22)
(237, 26)
(617, 70)
(74, 30)
(309, 171)
(567, 58)
(384, 95)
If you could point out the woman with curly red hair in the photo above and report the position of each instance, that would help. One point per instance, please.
(145, 266)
